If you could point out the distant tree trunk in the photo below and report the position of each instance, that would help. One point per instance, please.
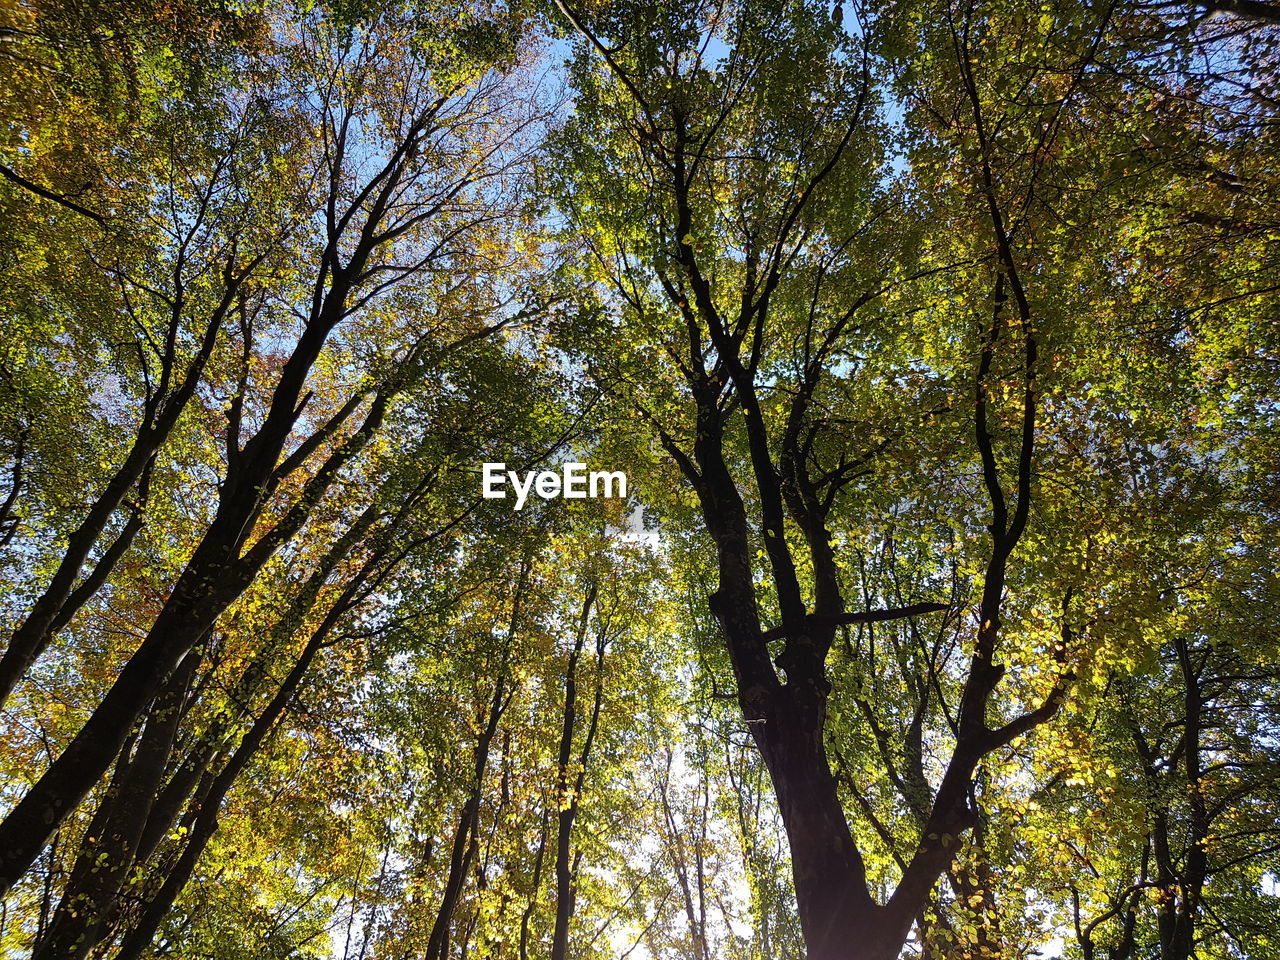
(527, 916)
(463, 848)
(1182, 885)
(568, 787)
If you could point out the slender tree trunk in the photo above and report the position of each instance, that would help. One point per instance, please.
(564, 880)
(215, 576)
(567, 787)
(209, 803)
(974, 887)
(9, 521)
(463, 845)
(63, 597)
(532, 905)
(140, 796)
(465, 836)
(1195, 862)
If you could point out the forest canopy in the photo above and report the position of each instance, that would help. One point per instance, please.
(928, 354)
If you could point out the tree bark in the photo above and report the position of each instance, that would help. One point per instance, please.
(108, 854)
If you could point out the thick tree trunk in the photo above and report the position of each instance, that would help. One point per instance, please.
(839, 919)
(787, 722)
(108, 856)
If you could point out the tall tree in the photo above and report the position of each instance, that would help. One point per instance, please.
(383, 223)
(727, 171)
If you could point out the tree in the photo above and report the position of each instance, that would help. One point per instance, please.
(384, 224)
(937, 342)
(806, 332)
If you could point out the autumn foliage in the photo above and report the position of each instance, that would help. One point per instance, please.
(938, 344)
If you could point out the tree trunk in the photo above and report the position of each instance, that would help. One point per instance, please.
(532, 905)
(209, 804)
(839, 919)
(463, 838)
(568, 789)
(108, 855)
(62, 596)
